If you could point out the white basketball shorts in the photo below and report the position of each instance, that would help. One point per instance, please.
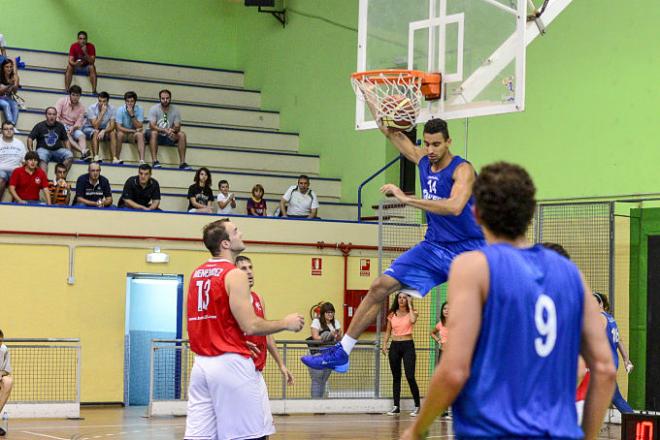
(227, 400)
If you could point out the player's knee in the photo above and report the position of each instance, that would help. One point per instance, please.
(381, 287)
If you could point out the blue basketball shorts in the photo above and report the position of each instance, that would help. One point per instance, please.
(427, 264)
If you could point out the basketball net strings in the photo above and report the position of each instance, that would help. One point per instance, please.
(388, 95)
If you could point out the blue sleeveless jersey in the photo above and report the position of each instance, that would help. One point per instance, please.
(522, 380)
(612, 336)
(437, 186)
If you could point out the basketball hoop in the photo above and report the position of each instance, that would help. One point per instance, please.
(396, 95)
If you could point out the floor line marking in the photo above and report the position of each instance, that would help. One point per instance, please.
(43, 435)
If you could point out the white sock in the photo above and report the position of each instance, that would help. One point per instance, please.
(348, 343)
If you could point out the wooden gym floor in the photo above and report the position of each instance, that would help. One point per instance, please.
(129, 424)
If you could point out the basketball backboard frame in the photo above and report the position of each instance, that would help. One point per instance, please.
(461, 87)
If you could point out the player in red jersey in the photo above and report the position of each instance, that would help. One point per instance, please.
(227, 396)
(259, 344)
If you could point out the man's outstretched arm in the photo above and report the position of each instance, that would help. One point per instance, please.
(461, 192)
(240, 303)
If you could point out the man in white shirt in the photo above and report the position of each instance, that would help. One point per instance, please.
(12, 152)
(6, 380)
(299, 201)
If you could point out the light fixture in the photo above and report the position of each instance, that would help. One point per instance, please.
(158, 257)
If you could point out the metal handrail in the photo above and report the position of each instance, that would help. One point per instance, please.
(278, 341)
(41, 340)
(369, 179)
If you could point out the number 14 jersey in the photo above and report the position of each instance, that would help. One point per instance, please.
(523, 373)
(212, 329)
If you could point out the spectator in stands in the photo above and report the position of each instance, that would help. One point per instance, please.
(12, 152)
(141, 192)
(27, 181)
(165, 129)
(226, 200)
(129, 119)
(59, 188)
(92, 189)
(256, 205)
(8, 87)
(100, 125)
(71, 113)
(200, 194)
(299, 201)
(3, 50)
(82, 56)
(6, 380)
(327, 331)
(52, 141)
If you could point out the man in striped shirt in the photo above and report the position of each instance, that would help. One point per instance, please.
(59, 188)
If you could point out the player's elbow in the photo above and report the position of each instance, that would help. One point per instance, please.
(249, 327)
(456, 377)
(604, 369)
(250, 330)
(454, 209)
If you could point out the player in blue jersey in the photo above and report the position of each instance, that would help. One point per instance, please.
(520, 316)
(446, 182)
(613, 337)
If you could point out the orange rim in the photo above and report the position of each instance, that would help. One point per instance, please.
(430, 81)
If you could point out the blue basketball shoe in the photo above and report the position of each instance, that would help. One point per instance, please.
(333, 358)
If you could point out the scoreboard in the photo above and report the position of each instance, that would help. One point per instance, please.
(640, 426)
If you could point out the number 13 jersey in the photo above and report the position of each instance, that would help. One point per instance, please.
(523, 374)
(212, 329)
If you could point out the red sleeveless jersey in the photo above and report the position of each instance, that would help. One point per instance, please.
(212, 329)
(259, 341)
(581, 392)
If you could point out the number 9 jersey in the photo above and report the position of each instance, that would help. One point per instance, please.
(212, 329)
(523, 374)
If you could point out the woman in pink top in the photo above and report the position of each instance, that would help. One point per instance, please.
(400, 320)
(439, 332)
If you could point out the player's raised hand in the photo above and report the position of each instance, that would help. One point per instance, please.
(294, 322)
(394, 191)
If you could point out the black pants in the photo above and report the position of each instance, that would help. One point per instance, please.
(403, 350)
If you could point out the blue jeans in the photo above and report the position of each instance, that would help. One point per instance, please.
(319, 379)
(620, 403)
(10, 109)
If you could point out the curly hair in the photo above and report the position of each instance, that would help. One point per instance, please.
(437, 125)
(504, 195)
(557, 248)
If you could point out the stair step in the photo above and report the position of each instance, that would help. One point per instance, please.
(205, 135)
(39, 98)
(38, 77)
(144, 69)
(239, 181)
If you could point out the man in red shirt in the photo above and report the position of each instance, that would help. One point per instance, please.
(27, 181)
(227, 396)
(259, 344)
(82, 56)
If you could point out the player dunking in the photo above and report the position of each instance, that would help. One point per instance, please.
(519, 317)
(227, 396)
(446, 182)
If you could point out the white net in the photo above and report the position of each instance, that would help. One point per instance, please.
(395, 98)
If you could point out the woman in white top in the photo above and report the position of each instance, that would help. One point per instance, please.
(325, 329)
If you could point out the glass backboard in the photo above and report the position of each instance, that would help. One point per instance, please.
(477, 45)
